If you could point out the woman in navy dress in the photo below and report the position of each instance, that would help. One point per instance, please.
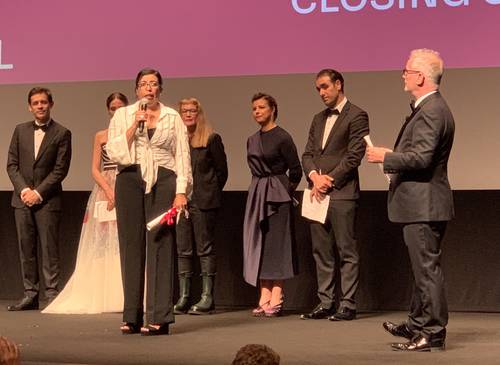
(268, 240)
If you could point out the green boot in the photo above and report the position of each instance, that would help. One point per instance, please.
(182, 305)
(206, 304)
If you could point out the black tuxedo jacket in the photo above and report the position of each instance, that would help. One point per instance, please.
(419, 189)
(209, 168)
(46, 172)
(343, 152)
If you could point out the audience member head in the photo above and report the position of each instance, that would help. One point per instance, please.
(254, 354)
(9, 353)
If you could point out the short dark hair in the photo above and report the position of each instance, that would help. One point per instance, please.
(334, 75)
(149, 71)
(40, 90)
(253, 354)
(270, 101)
(116, 95)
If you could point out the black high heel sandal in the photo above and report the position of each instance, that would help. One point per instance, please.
(130, 328)
(150, 330)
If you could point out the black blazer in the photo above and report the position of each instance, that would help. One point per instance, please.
(209, 167)
(419, 189)
(343, 152)
(47, 171)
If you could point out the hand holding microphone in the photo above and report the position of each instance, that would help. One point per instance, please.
(143, 107)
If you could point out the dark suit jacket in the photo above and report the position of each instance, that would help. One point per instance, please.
(419, 190)
(46, 172)
(343, 152)
(209, 167)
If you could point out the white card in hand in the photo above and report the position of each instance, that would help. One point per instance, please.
(314, 210)
(101, 212)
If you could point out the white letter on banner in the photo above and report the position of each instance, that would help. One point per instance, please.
(298, 9)
(377, 6)
(414, 4)
(349, 7)
(455, 3)
(2, 66)
(328, 9)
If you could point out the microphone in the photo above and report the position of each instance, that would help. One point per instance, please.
(143, 106)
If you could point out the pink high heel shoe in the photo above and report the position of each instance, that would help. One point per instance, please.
(274, 311)
(260, 311)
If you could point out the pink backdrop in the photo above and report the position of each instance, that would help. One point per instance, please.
(69, 40)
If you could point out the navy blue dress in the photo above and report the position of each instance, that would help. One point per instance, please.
(268, 237)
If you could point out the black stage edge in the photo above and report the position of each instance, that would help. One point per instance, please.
(473, 338)
(470, 254)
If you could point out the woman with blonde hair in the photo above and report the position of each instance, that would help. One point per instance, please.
(209, 168)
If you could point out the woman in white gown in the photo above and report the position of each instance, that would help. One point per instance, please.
(96, 283)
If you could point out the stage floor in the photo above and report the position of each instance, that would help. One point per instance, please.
(473, 338)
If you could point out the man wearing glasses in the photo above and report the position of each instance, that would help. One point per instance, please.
(420, 198)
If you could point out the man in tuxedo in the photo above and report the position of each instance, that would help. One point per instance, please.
(331, 158)
(38, 160)
(421, 200)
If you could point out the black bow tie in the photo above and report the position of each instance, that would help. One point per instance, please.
(331, 112)
(43, 127)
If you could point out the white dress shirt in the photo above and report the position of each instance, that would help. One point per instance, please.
(330, 121)
(168, 148)
(420, 99)
(39, 134)
(38, 139)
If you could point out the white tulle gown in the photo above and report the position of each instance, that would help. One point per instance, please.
(96, 283)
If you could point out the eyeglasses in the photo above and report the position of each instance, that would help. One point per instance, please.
(186, 111)
(409, 72)
(151, 84)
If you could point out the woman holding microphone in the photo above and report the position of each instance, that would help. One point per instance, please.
(149, 143)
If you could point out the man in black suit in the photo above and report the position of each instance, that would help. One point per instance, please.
(38, 160)
(332, 155)
(421, 200)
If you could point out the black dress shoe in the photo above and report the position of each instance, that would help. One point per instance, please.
(398, 330)
(421, 344)
(128, 328)
(318, 313)
(345, 314)
(150, 330)
(25, 304)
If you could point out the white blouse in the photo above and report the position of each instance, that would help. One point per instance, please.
(168, 148)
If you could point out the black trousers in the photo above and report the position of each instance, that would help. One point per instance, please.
(34, 224)
(199, 231)
(428, 307)
(337, 237)
(140, 250)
